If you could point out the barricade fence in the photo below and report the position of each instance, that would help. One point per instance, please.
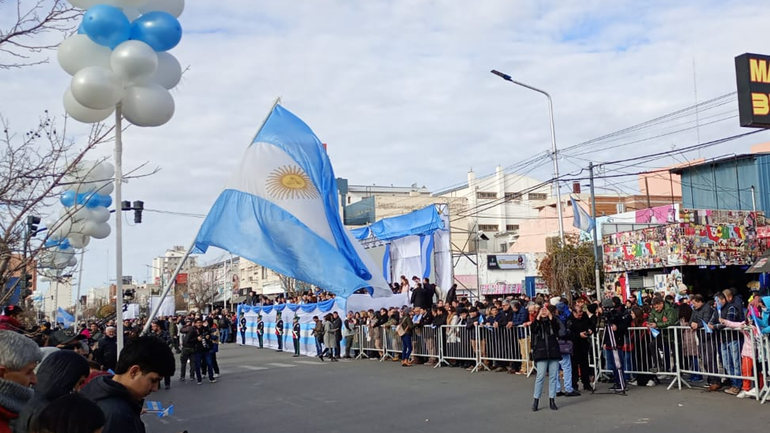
(679, 355)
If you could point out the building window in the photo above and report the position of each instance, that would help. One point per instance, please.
(504, 247)
(513, 196)
(488, 227)
(264, 273)
(537, 196)
(512, 228)
(486, 195)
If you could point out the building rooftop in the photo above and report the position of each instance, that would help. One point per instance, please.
(718, 160)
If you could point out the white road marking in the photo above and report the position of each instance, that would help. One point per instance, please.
(309, 362)
(252, 367)
(278, 364)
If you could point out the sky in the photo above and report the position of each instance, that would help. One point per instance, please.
(400, 90)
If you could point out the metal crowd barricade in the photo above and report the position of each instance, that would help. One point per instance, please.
(764, 393)
(700, 350)
(427, 343)
(459, 345)
(506, 345)
(391, 343)
(643, 355)
(368, 343)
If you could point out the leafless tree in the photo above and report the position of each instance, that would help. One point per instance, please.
(202, 287)
(33, 26)
(33, 165)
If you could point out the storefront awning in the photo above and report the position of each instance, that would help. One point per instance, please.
(762, 265)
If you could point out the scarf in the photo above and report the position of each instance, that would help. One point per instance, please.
(13, 397)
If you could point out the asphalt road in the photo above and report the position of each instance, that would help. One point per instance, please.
(265, 391)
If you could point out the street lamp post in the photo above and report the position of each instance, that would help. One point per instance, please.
(554, 153)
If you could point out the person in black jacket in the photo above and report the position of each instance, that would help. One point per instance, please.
(546, 354)
(199, 339)
(106, 352)
(451, 294)
(59, 374)
(582, 332)
(141, 366)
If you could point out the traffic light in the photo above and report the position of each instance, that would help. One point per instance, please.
(138, 208)
(32, 222)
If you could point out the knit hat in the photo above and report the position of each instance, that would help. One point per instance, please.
(59, 373)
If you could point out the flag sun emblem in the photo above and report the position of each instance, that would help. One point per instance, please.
(290, 182)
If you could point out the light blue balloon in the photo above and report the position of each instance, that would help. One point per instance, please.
(158, 29)
(93, 200)
(82, 198)
(105, 200)
(64, 244)
(68, 198)
(81, 31)
(106, 25)
(52, 243)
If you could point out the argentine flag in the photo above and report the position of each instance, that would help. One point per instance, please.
(280, 210)
(581, 218)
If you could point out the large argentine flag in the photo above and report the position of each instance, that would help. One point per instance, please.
(280, 210)
(581, 218)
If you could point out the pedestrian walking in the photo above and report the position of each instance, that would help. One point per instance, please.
(546, 354)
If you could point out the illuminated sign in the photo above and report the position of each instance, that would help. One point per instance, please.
(752, 73)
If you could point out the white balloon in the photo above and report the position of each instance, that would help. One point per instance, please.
(134, 60)
(148, 105)
(100, 231)
(62, 257)
(78, 241)
(79, 51)
(97, 88)
(62, 229)
(99, 215)
(174, 7)
(77, 111)
(123, 4)
(169, 71)
(131, 13)
(79, 213)
(106, 188)
(109, 169)
(85, 4)
(73, 262)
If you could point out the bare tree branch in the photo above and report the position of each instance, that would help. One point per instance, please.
(35, 26)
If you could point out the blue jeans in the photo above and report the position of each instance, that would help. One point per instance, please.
(224, 335)
(552, 367)
(200, 357)
(731, 360)
(319, 346)
(566, 366)
(406, 342)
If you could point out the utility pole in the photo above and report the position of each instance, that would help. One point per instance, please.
(597, 272)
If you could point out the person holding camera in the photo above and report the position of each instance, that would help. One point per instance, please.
(546, 354)
(200, 338)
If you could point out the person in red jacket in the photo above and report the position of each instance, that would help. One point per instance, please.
(9, 321)
(19, 356)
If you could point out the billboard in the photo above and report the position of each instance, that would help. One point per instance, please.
(752, 75)
(504, 262)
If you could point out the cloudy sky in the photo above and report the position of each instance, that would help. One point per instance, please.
(401, 92)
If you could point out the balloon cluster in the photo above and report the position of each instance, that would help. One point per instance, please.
(120, 55)
(85, 215)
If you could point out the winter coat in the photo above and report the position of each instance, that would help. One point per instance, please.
(407, 324)
(545, 343)
(107, 353)
(9, 323)
(56, 377)
(330, 338)
(704, 314)
(121, 410)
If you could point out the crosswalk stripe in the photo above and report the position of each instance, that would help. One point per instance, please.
(278, 364)
(308, 362)
(253, 368)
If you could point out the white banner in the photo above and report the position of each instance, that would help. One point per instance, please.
(166, 308)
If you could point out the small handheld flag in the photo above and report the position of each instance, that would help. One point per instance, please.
(654, 332)
(706, 327)
(156, 407)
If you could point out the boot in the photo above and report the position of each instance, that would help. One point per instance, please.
(552, 403)
(534, 405)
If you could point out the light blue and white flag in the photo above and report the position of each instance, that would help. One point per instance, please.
(581, 218)
(280, 210)
(64, 317)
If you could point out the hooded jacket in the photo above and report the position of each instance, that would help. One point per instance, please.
(121, 410)
(9, 323)
(56, 377)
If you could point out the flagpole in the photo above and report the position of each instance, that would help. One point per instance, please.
(119, 225)
(597, 272)
(178, 269)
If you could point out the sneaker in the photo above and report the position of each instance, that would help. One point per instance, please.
(199, 382)
(499, 369)
(216, 374)
(168, 387)
(714, 387)
(651, 383)
(212, 381)
(732, 390)
(632, 382)
(181, 379)
(752, 393)
(741, 394)
(573, 393)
